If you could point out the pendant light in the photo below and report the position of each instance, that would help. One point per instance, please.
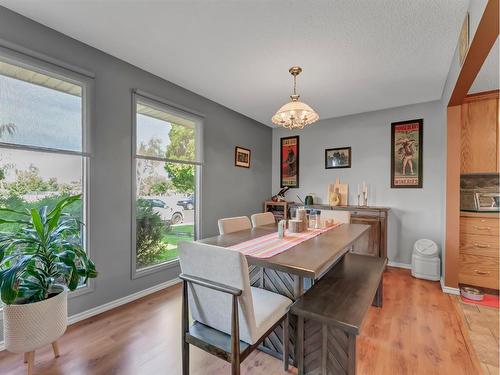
(295, 114)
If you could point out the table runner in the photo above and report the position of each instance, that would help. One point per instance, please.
(270, 245)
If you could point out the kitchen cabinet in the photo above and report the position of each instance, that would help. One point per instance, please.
(479, 250)
(479, 134)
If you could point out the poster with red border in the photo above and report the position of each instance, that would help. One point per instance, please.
(406, 154)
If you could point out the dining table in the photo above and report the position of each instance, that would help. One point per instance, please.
(293, 271)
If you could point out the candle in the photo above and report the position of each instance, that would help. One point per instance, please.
(359, 189)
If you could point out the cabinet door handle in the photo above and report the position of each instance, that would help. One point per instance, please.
(482, 228)
(482, 246)
(482, 272)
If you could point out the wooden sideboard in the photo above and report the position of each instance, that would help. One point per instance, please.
(374, 242)
(479, 250)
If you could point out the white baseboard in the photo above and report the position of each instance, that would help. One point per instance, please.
(113, 304)
(399, 265)
(449, 290)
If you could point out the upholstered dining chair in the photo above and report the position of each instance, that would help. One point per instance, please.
(264, 218)
(231, 318)
(336, 215)
(233, 224)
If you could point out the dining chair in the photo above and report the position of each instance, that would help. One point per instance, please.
(233, 224)
(231, 318)
(264, 218)
(336, 215)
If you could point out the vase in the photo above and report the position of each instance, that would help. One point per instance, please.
(30, 326)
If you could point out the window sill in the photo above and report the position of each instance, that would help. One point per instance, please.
(153, 269)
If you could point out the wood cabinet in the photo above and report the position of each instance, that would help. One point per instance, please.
(479, 250)
(374, 242)
(369, 244)
(278, 209)
(480, 134)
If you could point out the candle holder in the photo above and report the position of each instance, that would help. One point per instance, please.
(359, 197)
(365, 198)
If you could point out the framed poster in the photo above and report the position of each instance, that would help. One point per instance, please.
(242, 157)
(338, 158)
(289, 162)
(406, 154)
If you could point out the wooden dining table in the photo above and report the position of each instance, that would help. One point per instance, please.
(293, 271)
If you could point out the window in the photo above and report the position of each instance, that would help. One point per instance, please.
(43, 154)
(167, 166)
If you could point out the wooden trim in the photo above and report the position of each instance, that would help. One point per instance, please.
(452, 236)
(484, 39)
(492, 94)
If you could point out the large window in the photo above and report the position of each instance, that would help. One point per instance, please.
(43, 154)
(167, 162)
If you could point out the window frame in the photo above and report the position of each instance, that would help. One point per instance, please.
(139, 96)
(85, 80)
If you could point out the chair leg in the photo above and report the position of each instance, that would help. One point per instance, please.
(185, 328)
(185, 358)
(31, 362)
(25, 357)
(235, 339)
(286, 343)
(55, 348)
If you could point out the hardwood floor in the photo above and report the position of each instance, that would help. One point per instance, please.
(418, 331)
(482, 323)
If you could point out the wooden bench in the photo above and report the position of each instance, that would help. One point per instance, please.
(329, 315)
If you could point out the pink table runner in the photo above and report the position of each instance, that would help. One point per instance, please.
(270, 245)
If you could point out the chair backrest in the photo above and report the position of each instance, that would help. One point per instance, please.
(336, 215)
(213, 308)
(265, 218)
(233, 224)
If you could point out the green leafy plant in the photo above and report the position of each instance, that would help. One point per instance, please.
(43, 250)
(150, 230)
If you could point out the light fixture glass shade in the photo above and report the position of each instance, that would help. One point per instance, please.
(295, 115)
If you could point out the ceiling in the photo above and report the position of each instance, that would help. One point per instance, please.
(357, 55)
(488, 77)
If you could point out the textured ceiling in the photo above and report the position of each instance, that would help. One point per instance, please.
(357, 55)
(488, 76)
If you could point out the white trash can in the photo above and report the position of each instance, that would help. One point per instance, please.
(425, 262)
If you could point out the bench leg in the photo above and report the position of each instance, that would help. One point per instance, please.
(379, 296)
(351, 361)
(286, 343)
(299, 345)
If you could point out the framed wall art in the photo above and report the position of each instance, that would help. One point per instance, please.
(406, 154)
(338, 158)
(242, 157)
(289, 162)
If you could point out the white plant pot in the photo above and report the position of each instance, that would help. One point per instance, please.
(31, 326)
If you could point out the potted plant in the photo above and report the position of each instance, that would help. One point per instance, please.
(40, 259)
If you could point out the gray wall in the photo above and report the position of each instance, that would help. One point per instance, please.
(415, 213)
(110, 186)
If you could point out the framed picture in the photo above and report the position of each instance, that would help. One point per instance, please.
(338, 158)
(242, 157)
(463, 40)
(406, 154)
(289, 162)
